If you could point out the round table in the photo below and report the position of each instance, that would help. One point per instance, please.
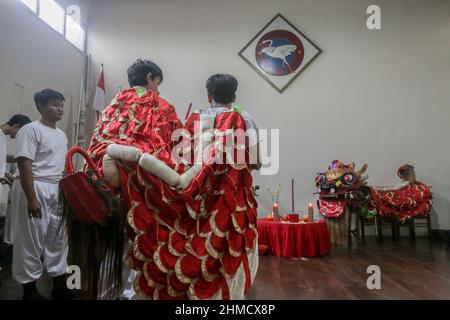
(287, 239)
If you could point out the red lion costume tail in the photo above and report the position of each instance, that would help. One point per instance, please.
(93, 218)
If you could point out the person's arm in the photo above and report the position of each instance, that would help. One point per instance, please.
(27, 181)
(10, 159)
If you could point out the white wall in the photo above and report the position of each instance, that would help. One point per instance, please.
(36, 57)
(380, 97)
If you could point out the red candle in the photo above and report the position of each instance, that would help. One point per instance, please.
(311, 212)
(275, 214)
(293, 207)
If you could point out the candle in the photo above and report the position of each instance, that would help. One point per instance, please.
(275, 215)
(188, 111)
(293, 206)
(311, 212)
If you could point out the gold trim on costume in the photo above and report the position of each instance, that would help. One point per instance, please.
(179, 273)
(157, 258)
(178, 227)
(191, 212)
(235, 224)
(209, 248)
(150, 281)
(169, 245)
(208, 277)
(214, 228)
(137, 253)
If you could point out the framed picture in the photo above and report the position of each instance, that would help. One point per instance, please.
(279, 53)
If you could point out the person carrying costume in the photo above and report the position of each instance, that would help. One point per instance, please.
(39, 243)
(136, 117)
(192, 225)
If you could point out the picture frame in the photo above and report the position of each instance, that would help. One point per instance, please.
(279, 53)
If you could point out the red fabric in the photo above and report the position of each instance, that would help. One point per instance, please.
(410, 201)
(146, 123)
(294, 239)
(101, 81)
(263, 250)
(185, 244)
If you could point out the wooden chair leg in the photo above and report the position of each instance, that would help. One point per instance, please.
(363, 234)
(357, 231)
(412, 229)
(395, 225)
(393, 231)
(429, 226)
(379, 227)
(349, 229)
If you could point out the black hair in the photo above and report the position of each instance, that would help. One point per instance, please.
(222, 88)
(138, 71)
(19, 119)
(405, 170)
(44, 97)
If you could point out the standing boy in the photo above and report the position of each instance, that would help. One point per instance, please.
(39, 243)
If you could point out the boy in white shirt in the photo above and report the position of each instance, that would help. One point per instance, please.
(10, 129)
(221, 90)
(39, 243)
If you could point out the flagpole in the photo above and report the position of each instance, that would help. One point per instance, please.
(81, 117)
(81, 99)
(188, 111)
(97, 113)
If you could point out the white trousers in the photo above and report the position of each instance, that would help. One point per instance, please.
(128, 275)
(39, 244)
(10, 216)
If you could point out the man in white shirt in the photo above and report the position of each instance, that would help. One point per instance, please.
(10, 129)
(39, 243)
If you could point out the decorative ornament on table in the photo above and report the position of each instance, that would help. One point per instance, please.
(275, 202)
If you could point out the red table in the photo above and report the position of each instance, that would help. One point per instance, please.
(294, 239)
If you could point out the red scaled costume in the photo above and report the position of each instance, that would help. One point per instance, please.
(146, 122)
(192, 242)
(408, 201)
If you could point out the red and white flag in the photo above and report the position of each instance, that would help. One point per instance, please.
(100, 96)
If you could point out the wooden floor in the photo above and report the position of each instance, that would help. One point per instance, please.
(409, 270)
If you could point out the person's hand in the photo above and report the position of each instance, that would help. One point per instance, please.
(34, 209)
(5, 181)
(10, 178)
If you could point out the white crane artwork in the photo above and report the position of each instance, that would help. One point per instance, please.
(280, 52)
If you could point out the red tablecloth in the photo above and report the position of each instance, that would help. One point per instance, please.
(294, 239)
